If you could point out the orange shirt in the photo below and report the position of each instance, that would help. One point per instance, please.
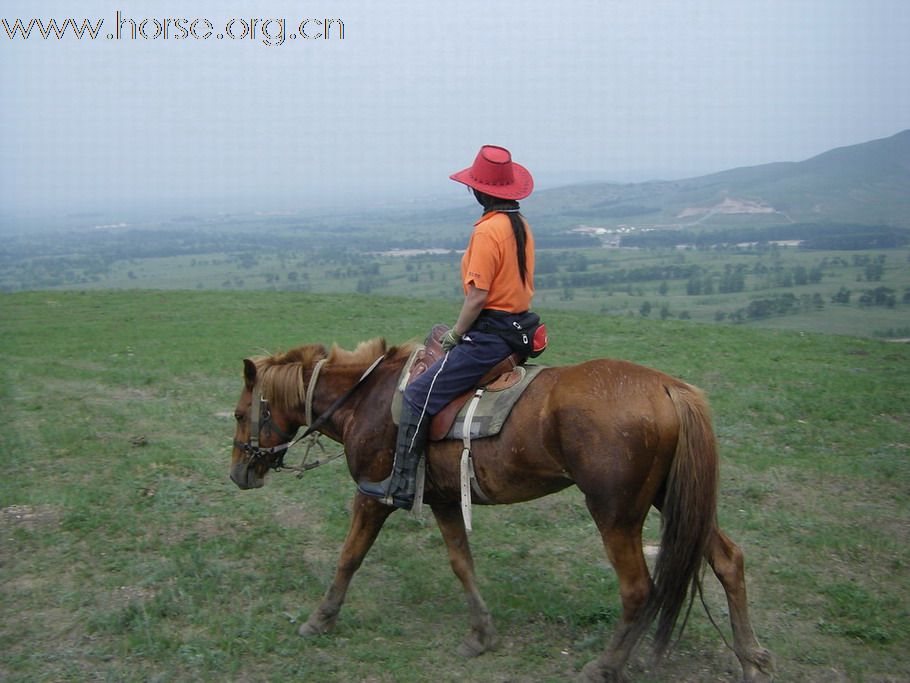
(491, 264)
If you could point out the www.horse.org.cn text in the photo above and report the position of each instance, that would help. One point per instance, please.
(271, 32)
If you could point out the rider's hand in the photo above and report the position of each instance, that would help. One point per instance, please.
(450, 340)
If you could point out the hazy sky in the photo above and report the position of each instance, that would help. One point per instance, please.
(622, 90)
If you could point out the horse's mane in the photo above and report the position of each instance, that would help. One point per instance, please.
(366, 352)
(280, 376)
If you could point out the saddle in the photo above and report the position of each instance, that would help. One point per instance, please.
(501, 376)
(479, 412)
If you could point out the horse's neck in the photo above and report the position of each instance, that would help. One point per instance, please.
(369, 404)
(331, 383)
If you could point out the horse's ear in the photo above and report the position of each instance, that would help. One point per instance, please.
(249, 373)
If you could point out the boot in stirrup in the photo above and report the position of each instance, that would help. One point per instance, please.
(398, 488)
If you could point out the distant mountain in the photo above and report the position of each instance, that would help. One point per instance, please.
(867, 183)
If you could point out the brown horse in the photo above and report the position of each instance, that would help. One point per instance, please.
(629, 437)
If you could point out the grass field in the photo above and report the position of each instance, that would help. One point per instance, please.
(127, 555)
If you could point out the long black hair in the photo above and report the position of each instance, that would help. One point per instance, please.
(510, 208)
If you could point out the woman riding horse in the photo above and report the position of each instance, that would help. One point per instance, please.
(630, 438)
(497, 273)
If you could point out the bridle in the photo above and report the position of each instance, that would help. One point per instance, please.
(261, 416)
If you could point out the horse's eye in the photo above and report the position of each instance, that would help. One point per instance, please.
(238, 416)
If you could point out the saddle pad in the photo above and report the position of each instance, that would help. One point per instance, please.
(494, 407)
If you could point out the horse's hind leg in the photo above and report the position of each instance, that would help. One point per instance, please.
(368, 517)
(483, 634)
(623, 546)
(726, 560)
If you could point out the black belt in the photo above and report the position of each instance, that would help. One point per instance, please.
(495, 313)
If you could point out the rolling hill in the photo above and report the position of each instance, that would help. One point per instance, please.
(867, 183)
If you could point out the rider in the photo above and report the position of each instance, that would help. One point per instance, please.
(497, 273)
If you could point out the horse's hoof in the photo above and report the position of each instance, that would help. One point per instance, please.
(308, 631)
(472, 646)
(594, 673)
(759, 667)
(315, 628)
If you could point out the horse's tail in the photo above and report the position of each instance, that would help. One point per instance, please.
(689, 513)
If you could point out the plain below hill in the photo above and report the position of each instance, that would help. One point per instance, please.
(868, 183)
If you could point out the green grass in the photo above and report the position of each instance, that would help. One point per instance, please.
(127, 555)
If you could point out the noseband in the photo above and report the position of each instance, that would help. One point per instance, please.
(261, 416)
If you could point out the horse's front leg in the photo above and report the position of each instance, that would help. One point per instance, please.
(368, 517)
(483, 635)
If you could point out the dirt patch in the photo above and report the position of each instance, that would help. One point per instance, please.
(30, 516)
(125, 595)
(298, 516)
(317, 551)
(98, 393)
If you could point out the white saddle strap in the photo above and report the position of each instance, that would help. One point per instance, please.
(417, 508)
(467, 464)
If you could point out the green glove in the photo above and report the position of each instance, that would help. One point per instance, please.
(450, 340)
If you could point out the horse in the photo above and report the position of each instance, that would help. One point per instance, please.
(627, 436)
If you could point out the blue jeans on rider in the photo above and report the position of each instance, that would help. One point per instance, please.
(456, 372)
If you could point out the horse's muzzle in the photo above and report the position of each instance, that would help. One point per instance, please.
(245, 476)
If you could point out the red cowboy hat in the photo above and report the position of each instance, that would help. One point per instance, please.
(494, 173)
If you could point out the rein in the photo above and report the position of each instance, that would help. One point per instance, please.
(260, 416)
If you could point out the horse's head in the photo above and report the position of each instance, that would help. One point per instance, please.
(278, 396)
(263, 429)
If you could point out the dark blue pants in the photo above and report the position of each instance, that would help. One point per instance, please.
(456, 372)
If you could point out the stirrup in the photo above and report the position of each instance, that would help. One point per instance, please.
(380, 491)
(376, 489)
